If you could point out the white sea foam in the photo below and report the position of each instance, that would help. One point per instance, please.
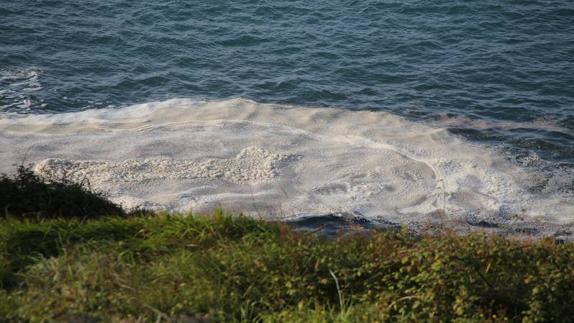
(252, 165)
(272, 161)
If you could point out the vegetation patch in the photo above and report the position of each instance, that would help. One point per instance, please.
(27, 195)
(231, 268)
(68, 254)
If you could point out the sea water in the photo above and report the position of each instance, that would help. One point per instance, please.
(413, 112)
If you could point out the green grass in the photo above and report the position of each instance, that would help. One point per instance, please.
(232, 268)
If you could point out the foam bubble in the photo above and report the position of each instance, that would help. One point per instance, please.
(280, 161)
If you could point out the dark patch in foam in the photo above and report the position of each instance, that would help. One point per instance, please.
(331, 225)
(483, 224)
(333, 188)
(527, 231)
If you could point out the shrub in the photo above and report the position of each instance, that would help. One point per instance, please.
(27, 195)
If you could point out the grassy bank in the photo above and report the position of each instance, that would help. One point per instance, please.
(68, 254)
(224, 268)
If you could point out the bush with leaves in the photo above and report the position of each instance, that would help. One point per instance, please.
(25, 194)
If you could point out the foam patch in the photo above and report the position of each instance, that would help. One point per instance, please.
(288, 162)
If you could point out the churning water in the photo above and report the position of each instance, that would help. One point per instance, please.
(388, 110)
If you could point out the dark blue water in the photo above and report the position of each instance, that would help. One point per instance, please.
(505, 68)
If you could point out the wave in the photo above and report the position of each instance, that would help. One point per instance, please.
(17, 88)
(288, 162)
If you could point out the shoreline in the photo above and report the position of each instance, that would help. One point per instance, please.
(284, 161)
